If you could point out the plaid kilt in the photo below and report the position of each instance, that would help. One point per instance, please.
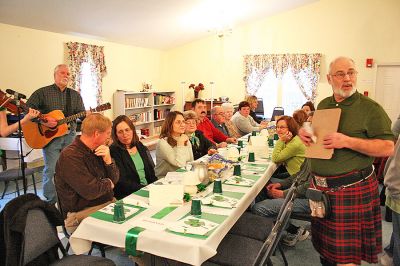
(353, 232)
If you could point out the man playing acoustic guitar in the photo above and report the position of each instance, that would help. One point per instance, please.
(56, 97)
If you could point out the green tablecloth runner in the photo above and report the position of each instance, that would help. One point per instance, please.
(231, 194)
(216, 218)
(164, 212)
(131, 241)
(142, 193)
(109, 217)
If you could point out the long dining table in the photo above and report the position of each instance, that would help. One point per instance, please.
(147, 228)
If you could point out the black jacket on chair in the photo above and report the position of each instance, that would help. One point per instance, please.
(12, 222)
(129, 180)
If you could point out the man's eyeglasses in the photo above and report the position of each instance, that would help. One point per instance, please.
(220, 114)
(342, 75)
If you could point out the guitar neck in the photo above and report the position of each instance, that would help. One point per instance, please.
(71, 118)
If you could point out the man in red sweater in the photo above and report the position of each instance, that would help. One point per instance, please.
(208, 129)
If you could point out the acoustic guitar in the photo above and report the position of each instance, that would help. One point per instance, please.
(37, 135)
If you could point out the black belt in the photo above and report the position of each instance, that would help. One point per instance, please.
(343, 180)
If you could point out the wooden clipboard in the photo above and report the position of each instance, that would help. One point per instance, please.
(324, 122)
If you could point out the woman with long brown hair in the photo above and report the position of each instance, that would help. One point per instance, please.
(136, 167)
(173, 149)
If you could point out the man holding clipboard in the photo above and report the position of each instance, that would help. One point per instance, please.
(352, 232)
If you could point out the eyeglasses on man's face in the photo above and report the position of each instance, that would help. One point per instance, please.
(342, 75)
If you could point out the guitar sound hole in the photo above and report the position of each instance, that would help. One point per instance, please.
(50, 132)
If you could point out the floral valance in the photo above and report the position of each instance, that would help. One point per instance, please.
(79, 53)
(256, 67)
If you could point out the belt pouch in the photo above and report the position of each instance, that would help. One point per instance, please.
(319, 203)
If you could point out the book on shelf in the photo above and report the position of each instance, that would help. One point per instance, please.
(136, 102)
(160, 113)
(141, 117)
(145, 132)
(163, 99)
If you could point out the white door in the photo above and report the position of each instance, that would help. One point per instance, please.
(388, 89)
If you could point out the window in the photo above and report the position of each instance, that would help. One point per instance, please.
(292, 97)
(269, 93)
(87, 66)
(280, 92)
(88, 86)
(284, 80)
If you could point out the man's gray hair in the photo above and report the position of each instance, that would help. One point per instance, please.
(214, 109)
(58, 66)
(337, 59)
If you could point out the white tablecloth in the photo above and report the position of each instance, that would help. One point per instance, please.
(156, 240)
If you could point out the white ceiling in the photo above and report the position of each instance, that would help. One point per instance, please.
(159, 24)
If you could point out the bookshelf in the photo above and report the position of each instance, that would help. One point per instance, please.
(147, 109)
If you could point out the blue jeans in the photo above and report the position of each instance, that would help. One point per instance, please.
(394, 247)
(271, 207)
(51, 152)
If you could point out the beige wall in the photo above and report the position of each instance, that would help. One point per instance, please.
(357, 28)
(28, 57)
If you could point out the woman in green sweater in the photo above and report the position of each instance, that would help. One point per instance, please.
(289, 150)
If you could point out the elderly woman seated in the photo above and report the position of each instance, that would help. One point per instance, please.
(200, 144)
(244, 122)
(232, 130)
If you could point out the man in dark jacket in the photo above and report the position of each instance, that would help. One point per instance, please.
(85, 172)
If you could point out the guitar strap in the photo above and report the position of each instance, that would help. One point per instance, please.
(68, 107)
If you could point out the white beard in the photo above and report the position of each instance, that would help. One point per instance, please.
(345, 94)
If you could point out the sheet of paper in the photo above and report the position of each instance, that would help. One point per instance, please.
(324, 122)
(239, 181)
(193, 225)
(259, 141)
(218, 200)
(166, 195)
(174, 178)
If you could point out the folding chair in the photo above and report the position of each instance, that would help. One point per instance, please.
(241, 249)
(278, 111)
(15, 174)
